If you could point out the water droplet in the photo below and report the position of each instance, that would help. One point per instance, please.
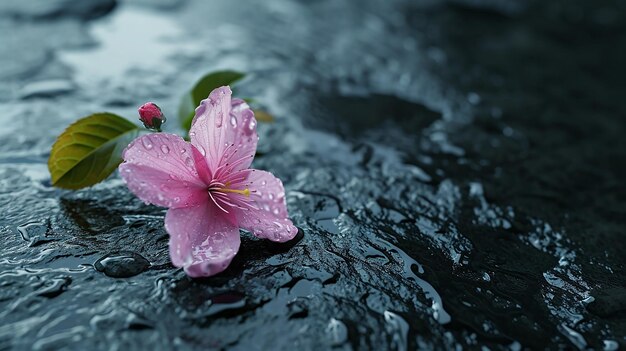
(270, 196)
(165, 149)
(337, 332)
(252, 124)
(147, 143)
(122, 264)
(233, 121)
(219, 119)
(192, 134)
(32, 230)
(473, 98)
(611, 345)
(398, 328)
(276, 211)
(202, 150)
(263, 183)
(189, 162)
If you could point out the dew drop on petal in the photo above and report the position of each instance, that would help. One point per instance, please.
(219, 119)
(147, 143)
(189, 162)
(165, 149)
(202, 150)
(233, 121)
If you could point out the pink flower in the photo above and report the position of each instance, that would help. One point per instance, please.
(208, 186)
(151, 116)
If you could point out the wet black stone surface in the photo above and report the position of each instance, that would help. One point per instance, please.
(456, 169)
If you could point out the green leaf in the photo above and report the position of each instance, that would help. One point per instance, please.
(201, 91)
(89, 150)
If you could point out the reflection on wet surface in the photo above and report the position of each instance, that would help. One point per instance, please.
(453, 167)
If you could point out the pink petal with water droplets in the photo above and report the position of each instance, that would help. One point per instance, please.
(270, 219)
(202, 240)
(224, 131)
(160, 170)
(244, 136)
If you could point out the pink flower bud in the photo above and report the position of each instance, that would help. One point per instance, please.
(151, 116)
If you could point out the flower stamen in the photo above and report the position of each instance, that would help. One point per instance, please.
(244, 192)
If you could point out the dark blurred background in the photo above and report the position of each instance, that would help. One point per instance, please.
(456, 167)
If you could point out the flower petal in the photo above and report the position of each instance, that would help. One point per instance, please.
(270, 220)
(201, 166)
(224, 131)
(202, 240)
(160, 170)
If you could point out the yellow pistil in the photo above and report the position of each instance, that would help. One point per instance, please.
(245, 192)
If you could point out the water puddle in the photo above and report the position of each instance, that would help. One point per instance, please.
(129, 39)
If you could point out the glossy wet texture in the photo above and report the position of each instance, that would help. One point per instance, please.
(455, 167)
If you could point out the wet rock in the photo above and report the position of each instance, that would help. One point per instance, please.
(451, 167)
(608, 303)
(122, 264)
(54, 287)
